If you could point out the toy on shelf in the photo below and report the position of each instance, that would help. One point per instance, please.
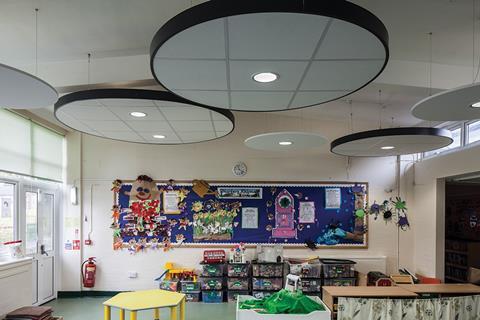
(171, 278)
(379, 279)
(237, 254)
(213, 256)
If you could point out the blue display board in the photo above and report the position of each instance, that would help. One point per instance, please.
(253, 213)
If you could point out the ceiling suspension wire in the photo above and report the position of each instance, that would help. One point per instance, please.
(36, 41)
(89, 55)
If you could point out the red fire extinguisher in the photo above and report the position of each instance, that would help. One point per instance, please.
(88, 272)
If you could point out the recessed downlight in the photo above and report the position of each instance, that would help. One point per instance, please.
(265, 77)
(476, 105)
(285, 143)
(138, 114)
(387, 148)
(159, 136)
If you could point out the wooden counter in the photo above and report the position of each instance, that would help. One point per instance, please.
(442, 289)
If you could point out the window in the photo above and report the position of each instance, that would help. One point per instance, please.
(457, 142)
(473, 130)
(31, 212)
(35, 151)
(7, 212)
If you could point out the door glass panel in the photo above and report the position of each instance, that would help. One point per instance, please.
(31, 211)
(45, 220)
(7, 212)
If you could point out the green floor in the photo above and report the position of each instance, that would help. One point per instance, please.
(91, 308)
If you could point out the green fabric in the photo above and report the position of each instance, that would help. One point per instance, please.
(284, 302)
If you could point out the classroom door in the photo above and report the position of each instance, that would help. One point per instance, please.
(40, 212)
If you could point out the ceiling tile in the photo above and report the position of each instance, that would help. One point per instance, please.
(289, 74)
(148, 126)
(196, 135)
(127, 103)
(274, 35)
(88, 113)
(188, 74)
(184, 113)
(222, 126)
(250, 100)
(131, 136)
(309, 98)
(181, 126)
(346, 41)
(108, 126)
(339, 75)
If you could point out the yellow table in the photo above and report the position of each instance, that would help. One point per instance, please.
(146, 300)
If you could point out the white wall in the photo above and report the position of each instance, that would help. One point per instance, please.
(428, 183)
(105, 160)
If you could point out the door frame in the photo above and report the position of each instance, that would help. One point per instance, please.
(43, 187)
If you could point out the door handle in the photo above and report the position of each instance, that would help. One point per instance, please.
(42, 250)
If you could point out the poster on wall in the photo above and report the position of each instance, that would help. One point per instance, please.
(306, 212)
(333, 198)
(170, 202)
(249, 218)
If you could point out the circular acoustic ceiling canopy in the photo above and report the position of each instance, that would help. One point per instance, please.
(391, 142)
(21, 90)
(142, 116)
(269, 55)
(285, 141)
(456, 104)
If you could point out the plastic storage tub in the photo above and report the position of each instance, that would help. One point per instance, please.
(267, 284)
(338, 268)
(311, 285)
(267, 269)
(340, 282)
(211, 283)
(237, 270)
(237, 284)
(189, 286)
(306, 270)
(212, 296)
(192, 296)
(248, 314)
(232, 295)
(213, 270)
(169, 285)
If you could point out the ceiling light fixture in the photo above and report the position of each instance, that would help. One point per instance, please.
(476, 105)
(407, 140)
(107, 113)
(265, 77)
(138, 114)
(285, 141)
(323, 50)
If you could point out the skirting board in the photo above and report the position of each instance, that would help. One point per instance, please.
(79, 294)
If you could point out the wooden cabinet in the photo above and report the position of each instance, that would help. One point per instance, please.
(459, 256)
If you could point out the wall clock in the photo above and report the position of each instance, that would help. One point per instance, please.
(239, 169)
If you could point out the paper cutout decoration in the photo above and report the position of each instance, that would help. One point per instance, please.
(284, 216)
(201, 188)
(144, 189)
(116, 185)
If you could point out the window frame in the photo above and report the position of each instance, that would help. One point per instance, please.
(16, 201)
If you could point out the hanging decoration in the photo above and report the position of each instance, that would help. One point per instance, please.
(393, 209)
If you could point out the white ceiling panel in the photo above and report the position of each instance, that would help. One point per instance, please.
(254, 100)
(274, 35)
(192, 113)
(180, 126)
(124, 113)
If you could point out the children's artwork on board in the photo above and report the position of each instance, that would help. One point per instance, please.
(171, 214)
(213, 220)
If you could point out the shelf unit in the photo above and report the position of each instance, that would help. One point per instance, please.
(267, 278)
(460, 255)
(238, 280)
